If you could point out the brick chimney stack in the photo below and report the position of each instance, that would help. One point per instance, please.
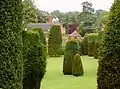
(50, 19)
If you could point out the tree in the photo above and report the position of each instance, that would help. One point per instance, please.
(108, 76)
(87, 7)
(11, 60)
(29, 12)
(102, 17)
(42, 16)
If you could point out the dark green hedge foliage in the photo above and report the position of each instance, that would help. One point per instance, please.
(41, 34)
(77, 67)
(11, 61)
(98, 44)
(96, 50)
(91, 43)
(71, 48)
(34, 54)
(85, 45)
(108, 76)
(55, 41)
(80, 47)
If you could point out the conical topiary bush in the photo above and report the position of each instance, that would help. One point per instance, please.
(71, 48)
(77, 67)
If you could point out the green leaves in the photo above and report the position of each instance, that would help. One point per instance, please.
(55, 41)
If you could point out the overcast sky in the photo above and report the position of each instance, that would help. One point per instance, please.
(71, 5)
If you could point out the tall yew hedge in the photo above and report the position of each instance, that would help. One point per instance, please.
(55, 41)
(34, 54)
(11, 61)
(108, 76)
(91, 43)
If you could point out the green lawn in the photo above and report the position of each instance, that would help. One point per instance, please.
(54, 78)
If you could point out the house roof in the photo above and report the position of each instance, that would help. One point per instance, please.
(74, 34)
(44, 26)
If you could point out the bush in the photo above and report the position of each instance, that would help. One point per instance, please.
(85, 45)
(11, 60)
(108, 75)
(34, 54)
(77, 67)
(91, 43)
(41, 34)
(71, 48)
(98, 44)
(96, 50)
(55, 41)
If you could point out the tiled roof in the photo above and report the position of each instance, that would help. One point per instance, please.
(74, 34)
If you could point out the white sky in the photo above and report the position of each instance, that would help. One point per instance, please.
(71, 5)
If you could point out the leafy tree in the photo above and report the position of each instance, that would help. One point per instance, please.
(87, 7)
(42, 16)
(108, 76)
(11, 60)
(29, 12)
(102, 17)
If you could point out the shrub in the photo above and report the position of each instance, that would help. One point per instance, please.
(55, 41)
(85, 45)
(34, 54)
(91, 43)
(98, 44)
(96, 50)
(41, 34)
(108, 75)
(77, 67)
(71, 48)
(11, 61)
(80, 46)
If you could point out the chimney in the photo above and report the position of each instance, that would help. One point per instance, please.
(50, 19)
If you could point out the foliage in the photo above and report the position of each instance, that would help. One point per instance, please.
(55, 41)
(42, 16)
(41, 35)
(77, 67)
(87, 7)
(85, 45)
(109, 63)
(91, 43)
(11, 61)
(98, 44)
(29, 12)
(71, 48)
(102, 17)
(34, 54)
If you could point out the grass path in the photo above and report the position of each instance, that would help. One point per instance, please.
(54, 78)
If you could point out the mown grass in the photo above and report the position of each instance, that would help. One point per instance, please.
(54, 78)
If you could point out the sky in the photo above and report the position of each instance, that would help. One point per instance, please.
(71, 5)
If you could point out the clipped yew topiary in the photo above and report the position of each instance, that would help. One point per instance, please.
(85, 45)
(55, 41)
(34, 54)
(71, 48)
(98, 44)
(91, 43)
(11, 60)
(77, 67)
(41, 34)
(108, 76)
